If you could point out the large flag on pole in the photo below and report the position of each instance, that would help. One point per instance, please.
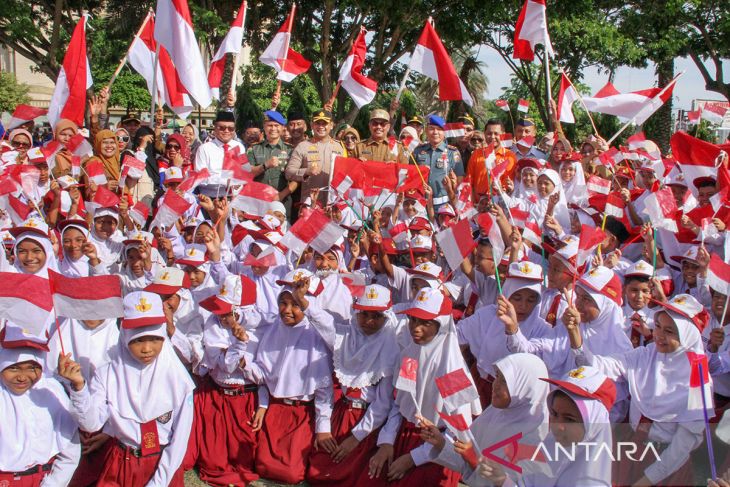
(23, 114)
(285, 60)
(174, 31)
(431, 60)
(531, 30)
(637, 105)
(231, 44)
(361, 88)
(568, 95)
(74, 78)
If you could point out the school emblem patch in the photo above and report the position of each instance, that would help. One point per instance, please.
(577, 373)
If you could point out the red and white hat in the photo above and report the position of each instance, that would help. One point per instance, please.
(687, 307)
(428, 304)
(675, 178)
(419, 223)
(604, 281)
(168, 281)
(235, 291)
(136, 237)
(142, 308)
(639, 268)
(7, 238)
(689, 254)
(522, 275)
(74, 222)
(568, 253)
(296, 275)
(447, 210)
(173, 174)
(588, 382)
(421, 244)
(33, 224)
(194, 255)
(427, 270)
(192, 222)
(374, 298)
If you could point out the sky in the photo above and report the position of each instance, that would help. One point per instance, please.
(689, 87)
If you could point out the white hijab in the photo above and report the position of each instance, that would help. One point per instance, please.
(207, 288)
(560, 211)
(45, 243)
(89, 348)
(575, 190)
(363, 360)
(74, 268)
(523, 193)
(36, 425)
(134, 389)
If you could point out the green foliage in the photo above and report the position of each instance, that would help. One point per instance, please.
(11, 92)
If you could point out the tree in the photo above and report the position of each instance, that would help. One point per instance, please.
(12, 93)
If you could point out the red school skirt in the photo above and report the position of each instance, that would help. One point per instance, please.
(286, 441)
(90, 465)
(353, 469)
(125, 467)
(28, 478)
(226, 442)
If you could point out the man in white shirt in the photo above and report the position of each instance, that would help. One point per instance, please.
(210, 154)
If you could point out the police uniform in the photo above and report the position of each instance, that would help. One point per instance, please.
(441, 160)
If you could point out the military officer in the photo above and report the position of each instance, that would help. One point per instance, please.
(442, 159)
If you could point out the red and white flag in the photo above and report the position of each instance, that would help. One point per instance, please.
(518, 216)
(700, 384)
(399, 233)
(636, 141)
(317, 231)
(567, 96)
(489, 228)
(456, 243)
(347, 173)
(502, 105)
(590, 238)
(506, 140)
(718, 275)
(708, 230)
(25, 299)
(361, 88)
(285, 60)
(103, 198)
(174, 31)
(636, 106)
(611, 157)
(236, 167)
(231, 44)
(693, 118)
(713, 113)
(95, 173)
(407, 375)
(132, 168)
(255, 198)
(696, 158)
(454, 129)
(74, 78)
(168, 85)
(86, 298)
(173, 207)
(456, 389)
(16, 209)
(661, 208)
(79, 146)
(139, 213)
(531, 30)
(598, 185)
(614, 206)
(193, 179)
(431, 60)
(523, 105)
(23, 114)
(532, 233)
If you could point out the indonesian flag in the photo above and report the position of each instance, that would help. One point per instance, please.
(361, 88)
(531, 30)
(132, 168)
(464, 204)
(456, 422)
(347, 173)
(506, 140)
(718, 275)
(636, 106)
(636, 141)
(567, 96)
(399, 233)
(614, 206)
(103, 198)
(285, 60)
(267, 258)
(661, 207)
(74, 78)
(611, 157)
(695, 157)
(25, 299)
(174, 31)
(456, 389)
(173, 207)
(488, 226)
(409, 143)
(139, 213)
(590, 238)
(168, 85)
(708, 230)
(713, 113)
(255, 198)
(455, 129)
(431, 60)
(532, 233)
(95, 173)
(519, 217)
(86, 298)
(231, 44)
(523, 105)
(193, 179)
(236, 166)
(79, 146)
(502, 105)
(27, 178)
(23, 114)
(407, 376)
(456, 243)
(700, 384)
(693, 118)
(598, 185)
(316, 230)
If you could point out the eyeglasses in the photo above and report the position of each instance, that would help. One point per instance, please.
(474, 139)
(226, 128)
(18, 145)
(379, 123)
(123, 138)
(349, 137)
(173, 146)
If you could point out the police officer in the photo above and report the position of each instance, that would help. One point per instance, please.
(417, 123)
(442, 159)
(269, 158)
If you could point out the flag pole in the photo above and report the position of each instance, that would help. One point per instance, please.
(277, 94)
(580, 97)
(123, 62)
(548, 94)
(724, 310)
(153, 95)
(708, 433)
(334, 93)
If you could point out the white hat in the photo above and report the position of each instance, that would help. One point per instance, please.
(168, 281)
(686, 306)
(427, 270)
(142, 308)
(689, 254)
(522, 275)
(421, 243)
(428, 304)
(374, 298)
(639, 268)
(66, 181)
(111, 211)
(173, 174)
(194, 255)
(234, 292)
(137, 236)
(33, 224)
(295, 275)
(590, 383)
(603, 280)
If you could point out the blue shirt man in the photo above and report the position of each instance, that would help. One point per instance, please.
(441, 158)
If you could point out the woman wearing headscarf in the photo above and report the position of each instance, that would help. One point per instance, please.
(666, 406)
(143, 148)
(192, 138)
(550, 207)
(62, 133)
(74, 237)
(123, 139)
(33, 250)
(176, 155)
(573, 180)
(106, 152)
(518, 406)
(350, 138)
(365, 352)
(557, 152)
(22, 141)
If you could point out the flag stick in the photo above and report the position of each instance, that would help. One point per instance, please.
(724, 310)
(603, 228)
(548, 94)
(58, 330)
(154, 87)
(653, 256)
(708, 432)
(334, 93)
(496, 275)
(123, 62)
(410, 154)
(620, 131)
(402, 86)
(590, 117)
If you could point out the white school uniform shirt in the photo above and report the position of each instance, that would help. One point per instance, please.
(646, 314)
(210, 157)
(719, 362)
(295, 363)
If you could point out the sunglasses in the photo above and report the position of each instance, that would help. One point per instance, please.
(123, 138)
(349, 137)
(18, 145)
(226, 128)
(379, 123)
(477, 140)
(173, 146)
